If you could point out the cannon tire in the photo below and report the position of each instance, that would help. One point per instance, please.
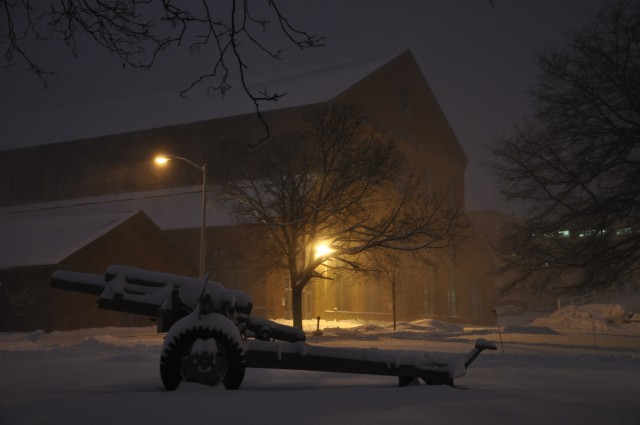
(180, 345)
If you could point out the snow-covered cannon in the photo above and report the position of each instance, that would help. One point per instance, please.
(212, 337)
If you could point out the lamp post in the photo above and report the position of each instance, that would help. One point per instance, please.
(162, 160)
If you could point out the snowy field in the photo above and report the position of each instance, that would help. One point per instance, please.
(573, 367)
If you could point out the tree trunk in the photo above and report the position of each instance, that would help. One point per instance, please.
(296, 306)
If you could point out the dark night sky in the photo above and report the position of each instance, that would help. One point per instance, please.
(477, 58)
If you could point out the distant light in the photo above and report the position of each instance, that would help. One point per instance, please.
(161, 160)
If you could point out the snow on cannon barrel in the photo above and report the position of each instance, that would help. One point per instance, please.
(169, 297)
(212, 337)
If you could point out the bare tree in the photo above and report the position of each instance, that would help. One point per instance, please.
(137, 31)
(390, 270)
(576, 165)
(343, 185)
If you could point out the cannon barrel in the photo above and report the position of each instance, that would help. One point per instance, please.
(169, 297)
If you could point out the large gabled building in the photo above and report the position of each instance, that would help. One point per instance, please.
(397, 101)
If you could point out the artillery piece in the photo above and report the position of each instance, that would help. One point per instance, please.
(211, 336)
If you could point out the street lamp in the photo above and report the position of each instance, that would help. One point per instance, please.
(162, 160)
(322, 250)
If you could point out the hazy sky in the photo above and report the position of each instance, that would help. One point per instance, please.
(477, 58)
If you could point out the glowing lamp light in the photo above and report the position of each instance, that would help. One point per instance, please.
(161, 160)
(323, 250)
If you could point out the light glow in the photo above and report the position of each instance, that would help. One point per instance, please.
(323, 250)
(161, 160)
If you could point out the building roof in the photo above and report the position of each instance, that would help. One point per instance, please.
(48, 240)
(320, 84)
(160, 109)
(48, 232)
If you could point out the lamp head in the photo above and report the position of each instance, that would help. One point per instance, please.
(161, 160)
(323, 250)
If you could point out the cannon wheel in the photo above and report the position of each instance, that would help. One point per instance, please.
(180, 346)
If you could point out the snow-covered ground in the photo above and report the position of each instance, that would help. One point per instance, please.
(571, 367)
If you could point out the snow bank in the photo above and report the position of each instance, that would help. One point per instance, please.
(371, 330)
(420, 329)
(97, 339)
(601, 318)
